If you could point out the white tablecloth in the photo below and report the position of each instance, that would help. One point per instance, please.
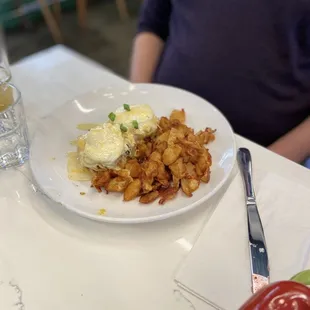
(52, 259)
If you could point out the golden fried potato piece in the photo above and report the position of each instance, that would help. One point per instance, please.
(167, 194)
(147, 182)
(171, 154)
(150, 197)
(155, 156)
(132, 190)
(178, 115)
(118, 184)
(206, 177)
(163, 137)
(209, 158)
(101, 179)
(193, 155)
(206, 136)
(121, 173)
(201, 165)
(191, 144)
(175, 182)
(200, 137)
(190, 171)
(164, 183)
(161, 146)
(156, 185)
(183, 129)
(175, 123)
(178, 168)
(141, 150)
(147, 185)
(163, 176)
(189, 186)
(122, 162)
(149, 149)
(150, 168)
(164, 124)
(133, 167)
(184, 155)
(175, 136)
(192, 138)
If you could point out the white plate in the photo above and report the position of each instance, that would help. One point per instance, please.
(52, 142)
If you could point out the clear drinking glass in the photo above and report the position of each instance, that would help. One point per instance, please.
(14, 146)
(5, 73)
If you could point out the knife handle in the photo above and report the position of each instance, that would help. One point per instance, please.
(245, 163)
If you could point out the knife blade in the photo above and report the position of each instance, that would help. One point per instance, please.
(257, 243)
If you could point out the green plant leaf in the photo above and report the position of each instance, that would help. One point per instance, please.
(302, 277)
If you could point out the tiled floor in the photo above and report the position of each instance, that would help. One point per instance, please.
(106, 39)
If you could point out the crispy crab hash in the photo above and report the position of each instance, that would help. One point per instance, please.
(154, 166)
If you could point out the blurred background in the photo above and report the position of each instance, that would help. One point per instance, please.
(100, 29)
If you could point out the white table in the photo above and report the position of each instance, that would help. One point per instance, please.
(52, 259)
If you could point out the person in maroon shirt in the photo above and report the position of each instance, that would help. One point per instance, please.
(251, 59)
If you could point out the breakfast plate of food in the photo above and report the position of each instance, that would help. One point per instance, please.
(135, 154)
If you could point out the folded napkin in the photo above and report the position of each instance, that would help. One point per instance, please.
(217, 270)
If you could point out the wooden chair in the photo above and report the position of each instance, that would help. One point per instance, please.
(82, 11)
(52, 20)
(122, 9)
(22, 9)
(81, 6)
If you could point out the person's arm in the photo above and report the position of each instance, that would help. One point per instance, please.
(147, 49)
(153, 31)
(295, 145)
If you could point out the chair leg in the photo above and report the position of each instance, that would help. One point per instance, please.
(50, 21)
(122, 9)
(57, 10)
(18, 4)
(82, 12)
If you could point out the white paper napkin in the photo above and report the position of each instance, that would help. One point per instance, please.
(217, 270)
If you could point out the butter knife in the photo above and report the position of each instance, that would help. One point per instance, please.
(257, 243)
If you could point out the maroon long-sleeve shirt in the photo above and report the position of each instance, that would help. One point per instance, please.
(250, 58)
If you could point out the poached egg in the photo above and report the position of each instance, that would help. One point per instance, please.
(142, 115)
(104, 144)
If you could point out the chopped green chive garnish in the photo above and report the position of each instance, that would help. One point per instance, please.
(123, 128)
(127, 107)
(135, 124)
(112, 116)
